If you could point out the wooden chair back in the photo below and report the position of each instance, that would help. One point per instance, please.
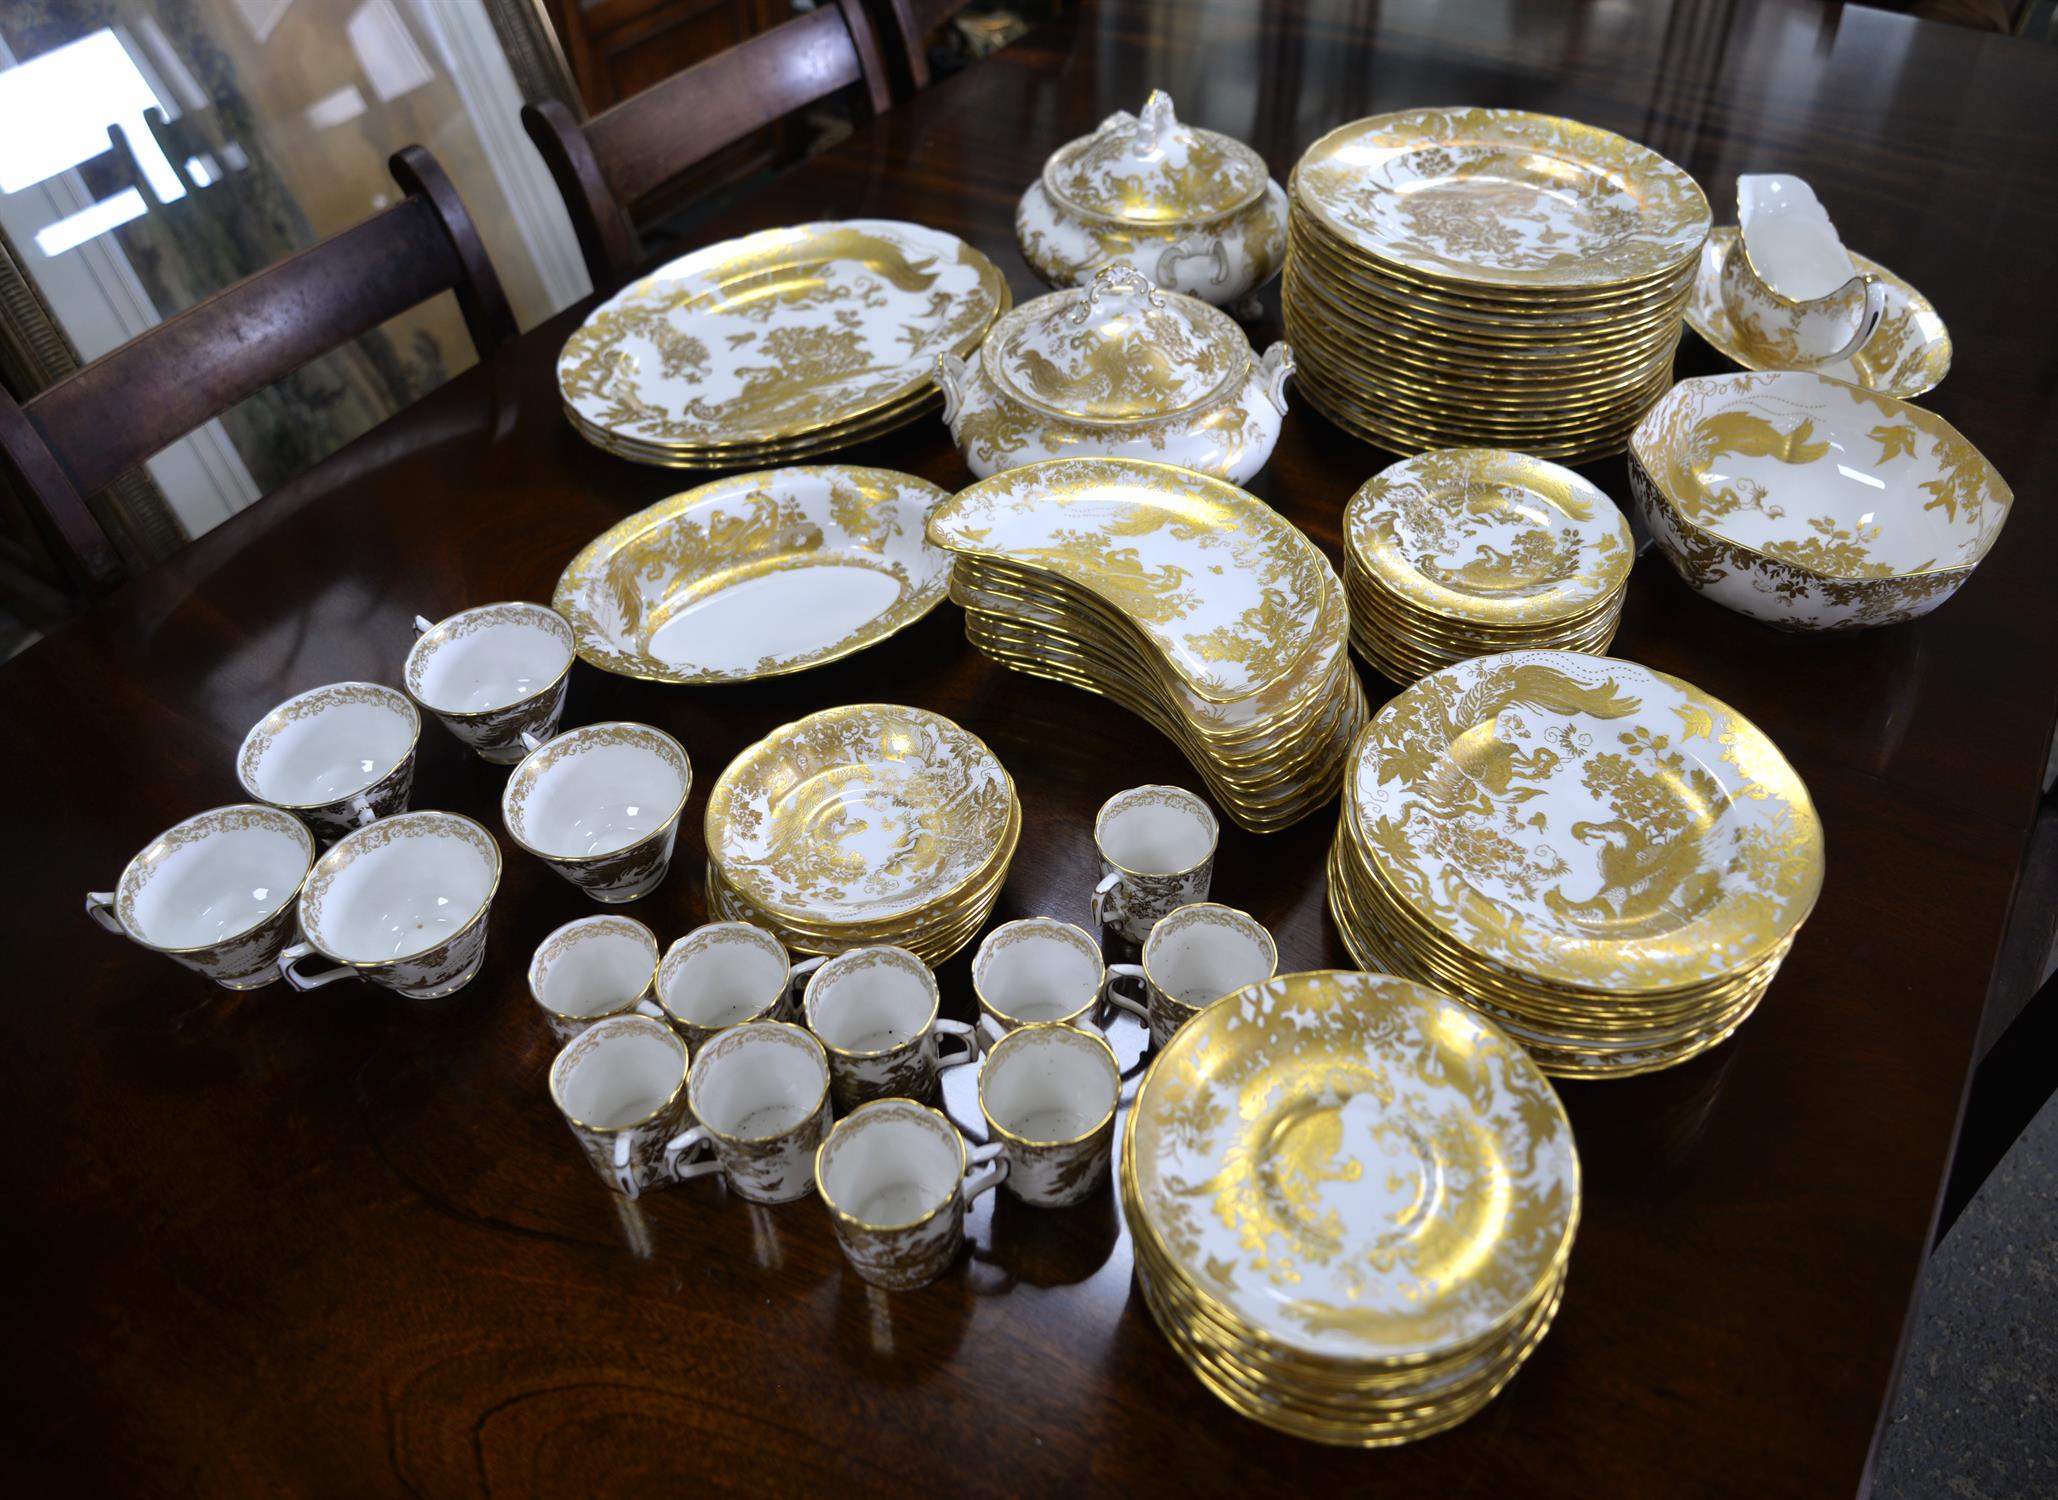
(904, 27)
(613, 169)
(87, 430)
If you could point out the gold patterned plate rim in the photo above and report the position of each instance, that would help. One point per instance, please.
(1461, 428)
(1708, 318)
(1406, 438)
(1306, 1057)
(746, 262)
(1732, 928)
(1182, 497)
(745, 778)
(730, 455)
(1672, 201)
(1397, 561)
(643, 536)
(1373, 604)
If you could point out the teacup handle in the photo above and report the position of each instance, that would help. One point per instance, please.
(362, 813)
(985, 1167)
(1868, 322)
(956, 1031)
(100, 907)
(532, 741)
(422, 626)
(676, 1168)
(796, 980)
(651, 1009)
(1107, 899)
(1137, 1008)
(305, 982)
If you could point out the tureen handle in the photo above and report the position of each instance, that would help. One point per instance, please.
(950, 375)
(1117, 280)
(1273, 370)
(1155, 124)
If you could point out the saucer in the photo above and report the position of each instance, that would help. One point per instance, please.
(1910, 354)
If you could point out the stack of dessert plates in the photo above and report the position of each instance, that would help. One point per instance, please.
(1464, 552)
(1488, 276)
(862, 825)
(1182, 598)
(1352, 1201)
(1603, 859)
(778, 346)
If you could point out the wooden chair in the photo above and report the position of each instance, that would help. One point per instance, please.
(904, 27)
(87, 430)
(613, 170)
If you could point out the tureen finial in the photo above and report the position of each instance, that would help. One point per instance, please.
(1155, 124)
(1114, 279)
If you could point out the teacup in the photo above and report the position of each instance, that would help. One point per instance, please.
(1790, 288)
(621, 1086)
(591, 969)
(402, 903)
(1034, 970)
(874, 1011)
(1191, 959)
(1157, 853)
(1048, 1094)
(214, 893)
(600, 805)
(897, 1178)
(728, 974)
(492, 674)
(340, 756)
(761, 1094)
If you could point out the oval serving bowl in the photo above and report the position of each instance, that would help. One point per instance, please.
(1810, 503)
(757, 575)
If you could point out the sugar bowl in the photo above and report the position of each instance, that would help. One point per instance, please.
(1193, 210)
(1117, 369)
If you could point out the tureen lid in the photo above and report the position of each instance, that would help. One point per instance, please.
(1118, 350)
(1150, 169)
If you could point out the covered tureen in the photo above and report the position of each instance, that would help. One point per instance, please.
(1194, 211)
(1121, 369)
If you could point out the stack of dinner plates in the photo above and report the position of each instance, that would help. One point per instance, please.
(1351, 1201)
(1488, 276)
(862, 825)
(1603, 859)
(778, 346)
(1465, 552)
(1189, 602)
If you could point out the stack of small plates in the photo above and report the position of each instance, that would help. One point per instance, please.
(1351, 1201)
(1603, 859)
(863, 825)
(1182, 598)
(1466, 552)
(778, 346)
(1460, 276)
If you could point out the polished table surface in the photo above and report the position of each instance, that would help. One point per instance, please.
(341, 1243)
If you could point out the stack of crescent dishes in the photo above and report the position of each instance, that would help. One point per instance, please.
(1604, 860)
(1488, 276)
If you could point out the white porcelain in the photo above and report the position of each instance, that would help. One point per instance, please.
(1117, 369)
(1790, 288)
(725, 974)
(214, 893)
(1812, 504)
(1193, 957)
(402, 903)
(1048, 1094)
(340, 756)
(896, 1178)
(493, 674)
(1157, 854)
(761, 1094)
(593, 968)
(620, 1084)
(600, 805)
(1037, 969)
(1193, 210)
(875, 1012)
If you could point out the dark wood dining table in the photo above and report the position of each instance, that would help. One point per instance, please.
(340, 1243)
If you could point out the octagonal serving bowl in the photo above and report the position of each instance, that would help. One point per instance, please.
(1810, 503)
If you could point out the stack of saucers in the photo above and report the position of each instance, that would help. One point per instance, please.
(864, 825)
(1460, 276)
(1182, 598)
(1605, 860)
(778, 346)
(1351, 1201)
(1466, 552)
